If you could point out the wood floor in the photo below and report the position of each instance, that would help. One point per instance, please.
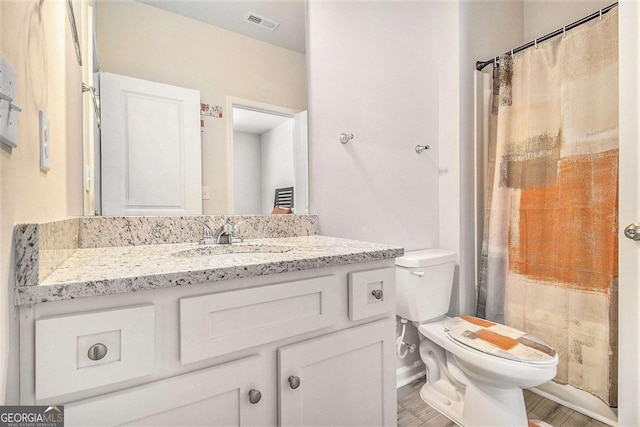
(413, 412)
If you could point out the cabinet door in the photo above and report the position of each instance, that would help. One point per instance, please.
(217, 396)
(346, 378)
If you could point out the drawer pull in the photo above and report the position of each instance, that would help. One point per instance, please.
(377, 293)
(254, 396)
(294, 382)
(97, 351)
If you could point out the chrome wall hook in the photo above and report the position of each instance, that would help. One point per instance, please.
(421, 148)
(344, 137)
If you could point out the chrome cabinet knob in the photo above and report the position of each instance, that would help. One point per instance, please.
(97, 351)
(254, 396)
(294, 382)
(633, 231)
(377, 293)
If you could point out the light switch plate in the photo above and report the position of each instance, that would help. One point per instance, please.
(8, 117)
(45, 142)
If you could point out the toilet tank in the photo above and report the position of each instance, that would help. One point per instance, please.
(424, 280)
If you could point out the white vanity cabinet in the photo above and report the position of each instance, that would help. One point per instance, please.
(312, 347)
(340, 379)
(224, 395)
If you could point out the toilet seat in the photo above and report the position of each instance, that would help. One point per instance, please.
(435, 331)
(499, 340)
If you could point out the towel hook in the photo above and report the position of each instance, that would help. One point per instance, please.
(421, 148)
(344, 137)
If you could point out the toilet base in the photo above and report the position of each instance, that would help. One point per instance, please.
(481, 404)
(463, 398)
(486, 405)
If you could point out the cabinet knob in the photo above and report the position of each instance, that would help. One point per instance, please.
(97, 351)
(377, 293)
(294, 382)
(254, 396)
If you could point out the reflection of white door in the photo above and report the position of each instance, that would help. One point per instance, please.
(629, 199)
(151, 158)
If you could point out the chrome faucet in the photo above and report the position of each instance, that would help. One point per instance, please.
(227, 234)
(207, 233)
(224, 234)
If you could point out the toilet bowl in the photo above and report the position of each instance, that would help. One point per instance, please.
(471, 386)
(491, 386)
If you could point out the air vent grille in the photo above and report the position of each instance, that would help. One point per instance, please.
(261, 21)
(284, 197)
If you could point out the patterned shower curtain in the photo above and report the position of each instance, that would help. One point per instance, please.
(549, 262)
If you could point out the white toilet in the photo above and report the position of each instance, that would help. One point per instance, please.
(471, 386)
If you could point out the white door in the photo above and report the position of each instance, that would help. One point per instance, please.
(343, 379)
(232, 394)
(151, 150)
(629, 200)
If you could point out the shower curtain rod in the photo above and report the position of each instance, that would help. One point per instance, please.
(481, 64)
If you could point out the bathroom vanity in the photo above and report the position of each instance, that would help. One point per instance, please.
(296, 330)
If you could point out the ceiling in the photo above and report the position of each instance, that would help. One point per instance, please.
(255, 122)
(229, 14)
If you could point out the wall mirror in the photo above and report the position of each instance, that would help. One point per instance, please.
(246, 57)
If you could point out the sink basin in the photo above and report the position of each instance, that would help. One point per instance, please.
(239, 250)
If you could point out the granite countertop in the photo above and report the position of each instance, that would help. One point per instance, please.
(113, 270)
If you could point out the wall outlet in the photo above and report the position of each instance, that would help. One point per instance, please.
(45, 142)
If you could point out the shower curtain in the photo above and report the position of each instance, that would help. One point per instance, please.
(549, 261)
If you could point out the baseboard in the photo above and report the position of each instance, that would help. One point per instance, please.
(579, 401)
(408, 374)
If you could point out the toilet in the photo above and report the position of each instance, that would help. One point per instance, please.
(475, 369)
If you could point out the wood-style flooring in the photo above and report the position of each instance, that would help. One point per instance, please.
(413, 412)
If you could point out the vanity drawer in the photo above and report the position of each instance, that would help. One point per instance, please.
(81, 351)
(221, 323)
(372, 292)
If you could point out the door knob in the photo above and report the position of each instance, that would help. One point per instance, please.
(294, 382)
(377, 293)
(633, 231)
(254, 396)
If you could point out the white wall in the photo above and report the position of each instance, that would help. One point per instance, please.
(142, 41)
(301, 163)
(35, 38)
(277, 162)
(372, 73)
(544, 16)
(247, 173)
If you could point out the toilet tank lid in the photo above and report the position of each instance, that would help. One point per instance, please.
(426, 257)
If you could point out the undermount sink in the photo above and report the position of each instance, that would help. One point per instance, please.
(239, 250)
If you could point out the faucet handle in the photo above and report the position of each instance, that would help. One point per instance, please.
(235, 234)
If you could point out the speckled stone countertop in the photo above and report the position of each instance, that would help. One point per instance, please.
(120, 269)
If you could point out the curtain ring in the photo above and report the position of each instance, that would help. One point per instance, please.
(495, 61)
(601, 14)
(511, 53)
(535, 43)
(564, 32)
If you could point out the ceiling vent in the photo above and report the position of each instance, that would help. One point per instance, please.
(261, 21)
